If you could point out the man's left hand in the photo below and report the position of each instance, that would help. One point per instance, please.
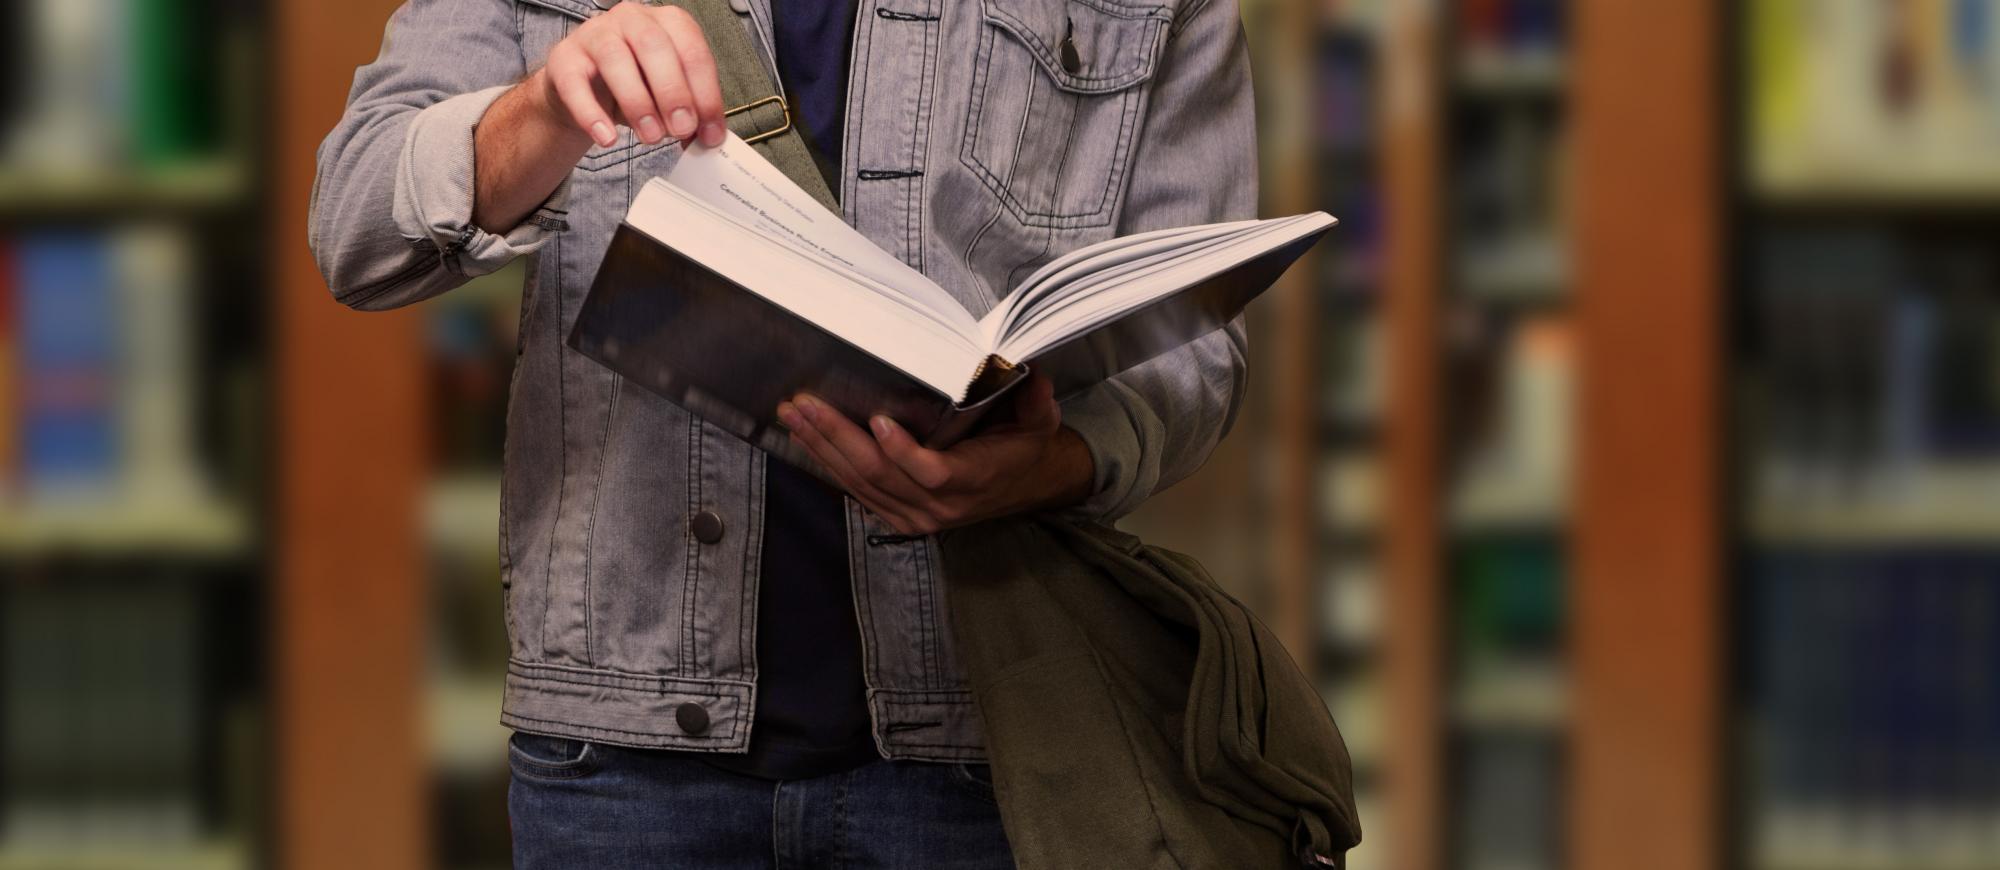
(1029, 463)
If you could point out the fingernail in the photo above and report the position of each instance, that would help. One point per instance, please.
(809, 407)
(601, 131)
(788, 415)
(681, 122)
(712, 134)
(881, 425)
(649, 129)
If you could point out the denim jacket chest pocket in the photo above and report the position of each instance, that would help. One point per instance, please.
(1057, 97)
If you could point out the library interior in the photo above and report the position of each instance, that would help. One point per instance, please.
(1625, 467)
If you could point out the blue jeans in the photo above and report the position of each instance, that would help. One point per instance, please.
(596, 807)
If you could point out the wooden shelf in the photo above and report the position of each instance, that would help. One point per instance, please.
(462, 716)
(1512, 699)
(202, 186)
(197, 529)
(223, 855)
(1503, 73)
(1525, 273)
(1489, 504)
(462, 515)
(1892, 179)
(1948, 504)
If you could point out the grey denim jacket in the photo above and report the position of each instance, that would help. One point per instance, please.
(630, 531)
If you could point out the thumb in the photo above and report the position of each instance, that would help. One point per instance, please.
(1035, 406)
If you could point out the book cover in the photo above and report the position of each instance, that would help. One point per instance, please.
(9, 368)
(68, 340)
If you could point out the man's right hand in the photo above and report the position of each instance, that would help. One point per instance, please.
(645, 67)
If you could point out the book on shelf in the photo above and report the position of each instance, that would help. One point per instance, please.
(1870, 712)
(101, 729)
(9, 372)
(728, 289)
(99, 367)
(68, 352)
(1875, 364)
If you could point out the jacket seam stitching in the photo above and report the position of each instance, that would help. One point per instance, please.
(753, 566)
(596, 676)
(703, 738)
(690, 588)
(590, 526)
(562, 480)
(618, 737)
(933, 655)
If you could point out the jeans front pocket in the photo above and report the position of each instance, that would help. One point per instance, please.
(540, 756)
(1058, 92)
(975, 779)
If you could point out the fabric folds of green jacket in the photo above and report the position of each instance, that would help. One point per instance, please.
(1136, 715)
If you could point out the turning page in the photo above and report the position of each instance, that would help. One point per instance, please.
(736, 181)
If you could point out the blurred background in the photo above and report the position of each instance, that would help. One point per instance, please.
(1626, 468)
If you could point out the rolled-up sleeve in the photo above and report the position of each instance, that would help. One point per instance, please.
(391, 219)
(1196, 161)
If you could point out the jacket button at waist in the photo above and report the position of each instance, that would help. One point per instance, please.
(706, 526)
(692, 718)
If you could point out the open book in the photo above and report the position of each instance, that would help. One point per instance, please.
(728, 289)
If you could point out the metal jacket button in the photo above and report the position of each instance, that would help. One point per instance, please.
(1072, 61)
(692, 718)
(706, 526)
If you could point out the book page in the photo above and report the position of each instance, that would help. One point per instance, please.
(1146, 280)
(735, 180)
(1092, 289)
(1081, 269)
(1123, 247)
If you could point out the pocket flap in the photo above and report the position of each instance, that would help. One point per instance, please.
(581, 10)
(1115, 45)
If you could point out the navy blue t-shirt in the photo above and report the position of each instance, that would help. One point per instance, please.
(812, 707)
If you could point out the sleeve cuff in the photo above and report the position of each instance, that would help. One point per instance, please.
(434, 189)
(1116, 451)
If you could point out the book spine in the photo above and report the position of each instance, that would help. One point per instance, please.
(9, 373)
(156, 372)
(68, 344)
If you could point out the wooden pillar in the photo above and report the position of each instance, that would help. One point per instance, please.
(1647, 637)
(349, 615)
(1411, 122)
(1294, 366)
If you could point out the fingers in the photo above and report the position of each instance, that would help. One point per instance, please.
(1035, 408)
(698, 72)
(618, 69)
(930, 469)
(806, 433)
(861, 453)
(570, 73)
(649, 66)
(659, 61)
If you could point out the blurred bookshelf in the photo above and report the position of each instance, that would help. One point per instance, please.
(470, 343)
(1473, 503)
(1499, 493)
(1505, 395)
(133, 703)
(1867, 418)
(1340, 46)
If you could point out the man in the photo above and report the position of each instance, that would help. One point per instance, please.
(717, 660)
